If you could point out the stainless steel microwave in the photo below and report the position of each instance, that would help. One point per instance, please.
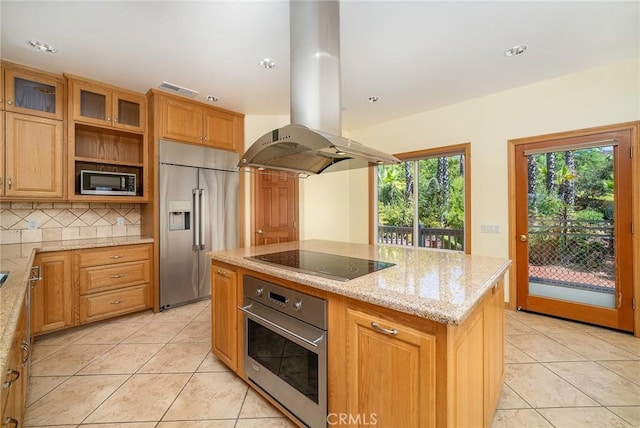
(107, 183)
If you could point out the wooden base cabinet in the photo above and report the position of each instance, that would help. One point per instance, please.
(52, 302)
(15, 375)
(82, 286)
(224, 315)
(114, 281)
(391, 373)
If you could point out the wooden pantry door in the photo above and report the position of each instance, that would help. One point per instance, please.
(275, 207)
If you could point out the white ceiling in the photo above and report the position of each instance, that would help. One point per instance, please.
(415, 56)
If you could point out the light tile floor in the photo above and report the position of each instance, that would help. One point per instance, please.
(156, 370)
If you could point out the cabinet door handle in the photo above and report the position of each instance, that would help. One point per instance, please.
(9, 102)
(120, 275)
(10, 421)
(115, 118)
(117, 256)
(26, 349)
(109, 118)
(376, 327)
(222, 273)
(117, 302)
(11, 372)
(10, 183)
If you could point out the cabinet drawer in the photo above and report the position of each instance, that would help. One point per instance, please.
(110, 255)
(104, 278)
(111, 303)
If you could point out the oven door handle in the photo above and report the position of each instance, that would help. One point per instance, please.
(246, 310)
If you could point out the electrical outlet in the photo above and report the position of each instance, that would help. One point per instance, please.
(489, 228)
(33, 224)
(120, 221)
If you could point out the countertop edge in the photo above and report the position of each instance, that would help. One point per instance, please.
(445, 317)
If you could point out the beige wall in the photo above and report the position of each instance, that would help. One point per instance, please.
(335, 206)
(599, 96)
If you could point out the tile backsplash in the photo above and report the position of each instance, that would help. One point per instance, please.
(22, 222)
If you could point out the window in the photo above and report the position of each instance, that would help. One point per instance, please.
(424, 201)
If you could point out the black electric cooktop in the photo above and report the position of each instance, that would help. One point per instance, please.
(330, 266)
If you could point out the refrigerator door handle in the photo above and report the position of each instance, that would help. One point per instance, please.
(196, 221)
(201, 216)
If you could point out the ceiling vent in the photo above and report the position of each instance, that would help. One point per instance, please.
(186, 92)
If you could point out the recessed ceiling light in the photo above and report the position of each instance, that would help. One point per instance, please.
(267, 63)
(42, 46)
(212, 98)
(516, 50)
(373, 99)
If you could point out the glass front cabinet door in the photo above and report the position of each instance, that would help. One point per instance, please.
(34, 93)
(104, 106)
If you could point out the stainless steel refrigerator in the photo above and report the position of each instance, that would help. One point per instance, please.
(198, 213)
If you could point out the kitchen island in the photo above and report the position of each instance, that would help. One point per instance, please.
(419, 343)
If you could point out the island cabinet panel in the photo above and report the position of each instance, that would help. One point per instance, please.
(386, 361)
(224, 318)
(52, 301)
(466, 374)
(494, 336)
(475, 362)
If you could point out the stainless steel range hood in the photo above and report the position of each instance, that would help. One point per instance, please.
(313, 143)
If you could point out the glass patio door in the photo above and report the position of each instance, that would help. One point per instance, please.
(573, 209)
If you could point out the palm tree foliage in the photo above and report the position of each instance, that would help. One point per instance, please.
(440, 186)
(580, 185)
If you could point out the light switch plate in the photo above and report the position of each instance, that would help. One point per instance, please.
(120, 221)
(489, 228)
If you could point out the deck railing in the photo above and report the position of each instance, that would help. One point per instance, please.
(443, 238)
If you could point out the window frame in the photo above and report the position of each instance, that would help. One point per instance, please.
(457, 149)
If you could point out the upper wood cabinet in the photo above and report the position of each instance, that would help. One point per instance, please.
(107, 133)
(33, 157)
(32, 92)
(191, 122)
(31, 134)
(105, 105)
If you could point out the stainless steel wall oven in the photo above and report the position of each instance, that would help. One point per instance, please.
(285, 347)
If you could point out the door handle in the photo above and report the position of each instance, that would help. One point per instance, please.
(201, 215)
(260, 231)
(196, 220)
(523, 238)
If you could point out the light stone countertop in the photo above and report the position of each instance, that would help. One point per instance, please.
(16, 259)
(439, 285)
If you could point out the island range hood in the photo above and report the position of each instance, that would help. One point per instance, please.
(313, 143)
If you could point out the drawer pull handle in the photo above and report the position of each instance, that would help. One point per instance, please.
(222, 273)
(117, 257)
(120, 275)
(117, 302)
(11, 372)
(392, 331)
(10, 421)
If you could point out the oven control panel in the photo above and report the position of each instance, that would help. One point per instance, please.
(310, 309)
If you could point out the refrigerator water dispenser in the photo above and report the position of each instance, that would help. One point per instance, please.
(179, 215)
